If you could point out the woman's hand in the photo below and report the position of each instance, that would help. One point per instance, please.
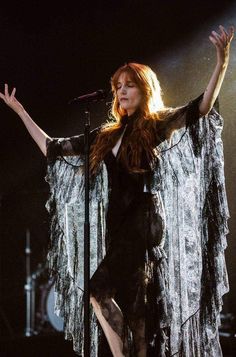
(222, 43)
(34, 130)
(11, 100)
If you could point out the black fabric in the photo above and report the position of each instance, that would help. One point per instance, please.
(133, 230)
(73, 145)
(130, 216)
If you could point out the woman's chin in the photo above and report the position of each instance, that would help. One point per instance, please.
(127, 108)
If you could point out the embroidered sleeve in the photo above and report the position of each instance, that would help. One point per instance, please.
(70, 146)
(185, 115)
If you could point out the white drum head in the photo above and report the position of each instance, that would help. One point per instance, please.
(56, 322)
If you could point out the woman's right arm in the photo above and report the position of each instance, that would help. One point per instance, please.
(35, 131)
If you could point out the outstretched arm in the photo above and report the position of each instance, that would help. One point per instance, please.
(222, 43)
(37, 134)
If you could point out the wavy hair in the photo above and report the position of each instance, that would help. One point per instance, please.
(144, 133)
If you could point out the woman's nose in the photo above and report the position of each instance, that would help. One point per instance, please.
(123, 89)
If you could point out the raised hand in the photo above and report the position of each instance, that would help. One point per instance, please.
(11, 100)
(34, 130)
(222, 42)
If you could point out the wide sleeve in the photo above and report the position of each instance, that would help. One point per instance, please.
(65, 257)
(185, 115)
(70, 146)
(178, 121)
(190, 179)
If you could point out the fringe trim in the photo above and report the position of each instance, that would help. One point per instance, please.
(198, 335)
(65, 187)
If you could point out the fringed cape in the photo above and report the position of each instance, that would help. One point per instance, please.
(189, 177)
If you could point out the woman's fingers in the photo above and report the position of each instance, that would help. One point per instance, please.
(13, 93)
(216, 40)
(2, 96)
(223, 33)
(8, 98)
(231, 35)
(223, 39)
(6, 91)
(227, 36)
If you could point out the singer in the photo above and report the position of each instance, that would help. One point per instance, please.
(158, 219)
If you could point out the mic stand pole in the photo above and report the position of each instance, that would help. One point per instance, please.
(29, 289)
(87, 239)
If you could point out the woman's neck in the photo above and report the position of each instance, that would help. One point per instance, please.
(129, 119)
(130, 113)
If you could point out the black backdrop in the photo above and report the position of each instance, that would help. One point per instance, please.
(53, 53)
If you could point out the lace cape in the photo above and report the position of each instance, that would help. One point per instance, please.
(189, 178)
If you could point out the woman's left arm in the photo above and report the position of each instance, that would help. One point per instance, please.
(222, 43)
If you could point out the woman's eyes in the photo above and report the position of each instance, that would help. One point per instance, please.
(128, 85)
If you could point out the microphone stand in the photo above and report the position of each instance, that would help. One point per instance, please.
(95, 96)
(87, 238)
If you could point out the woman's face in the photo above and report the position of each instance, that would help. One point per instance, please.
(128, 93)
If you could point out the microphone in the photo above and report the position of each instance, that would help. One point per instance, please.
(100, 94)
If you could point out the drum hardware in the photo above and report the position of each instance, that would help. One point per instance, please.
(29, 289)
(47, 320)
(228, 325)
(227, 333)
(40, 316)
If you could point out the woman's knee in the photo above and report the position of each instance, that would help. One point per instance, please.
(94, 302)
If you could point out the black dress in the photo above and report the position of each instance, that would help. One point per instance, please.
(133, 228)
(131, 275)
(170, 295)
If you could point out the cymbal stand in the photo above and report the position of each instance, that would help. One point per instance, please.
(30, 290)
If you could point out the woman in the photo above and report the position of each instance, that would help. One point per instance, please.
(137, 290)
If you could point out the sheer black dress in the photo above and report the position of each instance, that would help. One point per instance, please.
(131, 273)
(133, 228)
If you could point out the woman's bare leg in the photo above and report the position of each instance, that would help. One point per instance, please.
(111, 312)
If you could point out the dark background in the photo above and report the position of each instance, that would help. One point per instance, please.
(52, 53)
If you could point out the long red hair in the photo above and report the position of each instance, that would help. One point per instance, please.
(143, 135)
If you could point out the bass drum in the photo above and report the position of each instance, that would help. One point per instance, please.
(48, 320)
(56, 322)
